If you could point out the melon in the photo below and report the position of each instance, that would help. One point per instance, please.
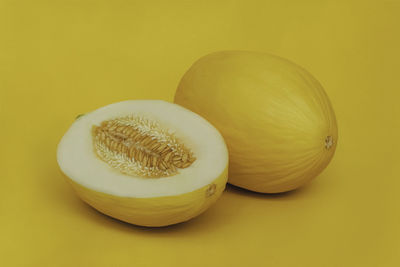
(276, 118)
(145, 162)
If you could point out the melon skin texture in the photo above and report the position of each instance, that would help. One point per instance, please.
(275, 117)
(146, 201)
(153, 212)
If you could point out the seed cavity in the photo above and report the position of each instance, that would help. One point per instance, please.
(328, 142)
(138, 146)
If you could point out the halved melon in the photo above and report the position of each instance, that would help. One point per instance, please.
(145, 162)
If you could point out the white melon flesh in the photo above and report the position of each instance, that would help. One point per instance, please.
(150, 201)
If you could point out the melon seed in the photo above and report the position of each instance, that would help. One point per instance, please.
(140, 147)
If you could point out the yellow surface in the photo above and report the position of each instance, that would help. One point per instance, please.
(62, 58)
(156, 212)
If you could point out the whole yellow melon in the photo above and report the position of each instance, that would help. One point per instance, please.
(276, 118)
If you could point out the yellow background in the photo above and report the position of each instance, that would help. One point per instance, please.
(62, 58)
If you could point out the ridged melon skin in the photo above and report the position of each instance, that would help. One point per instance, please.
(154, 212)
(272, 113)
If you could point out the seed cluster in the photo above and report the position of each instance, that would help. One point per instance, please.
(140, 147)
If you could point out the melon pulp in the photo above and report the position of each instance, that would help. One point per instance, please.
(275, 117)
(145, 162)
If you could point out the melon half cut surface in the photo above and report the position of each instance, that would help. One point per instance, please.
(146, 162)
